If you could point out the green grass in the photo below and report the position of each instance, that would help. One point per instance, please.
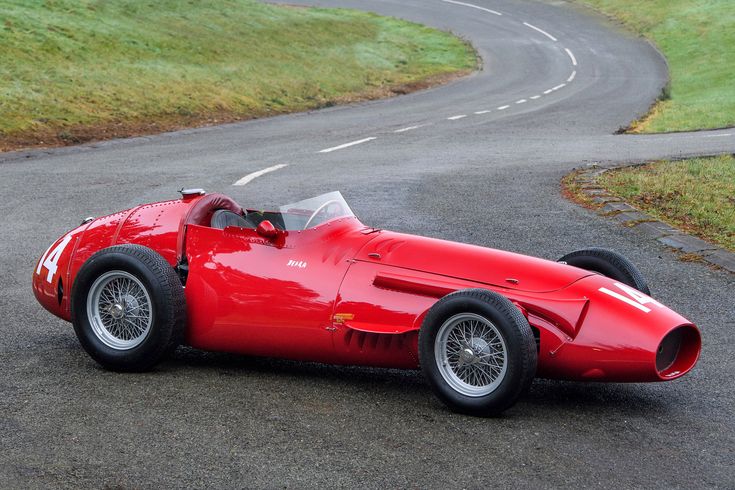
(698, 39)
(81, 68)
(697, 195)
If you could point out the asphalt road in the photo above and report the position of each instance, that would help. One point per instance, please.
(491, 178)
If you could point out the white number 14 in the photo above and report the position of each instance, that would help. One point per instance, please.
(634, 297)
(50, 259)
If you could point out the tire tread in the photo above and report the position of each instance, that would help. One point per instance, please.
(633, 277)
(527, 343)
(175, 300)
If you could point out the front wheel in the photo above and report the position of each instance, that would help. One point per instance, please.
(477, 351)
(128, 308)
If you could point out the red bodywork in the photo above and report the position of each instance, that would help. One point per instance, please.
(344, 293)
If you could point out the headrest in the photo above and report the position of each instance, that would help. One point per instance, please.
(201, 211)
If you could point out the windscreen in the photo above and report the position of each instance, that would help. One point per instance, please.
(314, 211)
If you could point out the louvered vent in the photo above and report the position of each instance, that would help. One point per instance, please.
(370, 342)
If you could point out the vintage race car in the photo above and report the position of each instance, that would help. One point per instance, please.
(311, 282)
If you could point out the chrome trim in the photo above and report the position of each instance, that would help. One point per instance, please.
(191, 192)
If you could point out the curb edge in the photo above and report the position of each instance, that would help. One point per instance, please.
(606, 204)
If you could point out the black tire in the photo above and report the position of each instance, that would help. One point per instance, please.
(509, 322)
(610, 264)
(168, 305)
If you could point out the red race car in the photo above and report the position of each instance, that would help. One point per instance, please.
(311, 282)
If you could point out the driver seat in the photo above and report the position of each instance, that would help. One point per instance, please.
(222, 218)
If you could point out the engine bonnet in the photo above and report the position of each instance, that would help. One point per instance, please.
(470, 262)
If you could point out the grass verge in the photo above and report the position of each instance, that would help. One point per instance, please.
(79, 70)
(696, 195)
(698, 39)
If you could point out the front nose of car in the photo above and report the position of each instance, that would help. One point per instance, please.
(678, 352)
(626, 336)
(50, 278)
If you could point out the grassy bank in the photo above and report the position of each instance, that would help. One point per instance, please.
(75, 70)
(698, 39)
(696, 195)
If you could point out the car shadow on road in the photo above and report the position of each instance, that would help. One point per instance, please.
(544, 395)
(616, 398)
(226, 364)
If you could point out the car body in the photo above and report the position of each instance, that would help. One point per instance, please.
(341, 292)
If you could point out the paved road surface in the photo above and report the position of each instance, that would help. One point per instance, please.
(489, 177)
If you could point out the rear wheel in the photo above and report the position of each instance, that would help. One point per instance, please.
(610, 264)
(477, 351)
(128, 308)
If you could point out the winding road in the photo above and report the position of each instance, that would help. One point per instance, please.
(478, 160)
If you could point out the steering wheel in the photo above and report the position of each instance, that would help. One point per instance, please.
(319, 210)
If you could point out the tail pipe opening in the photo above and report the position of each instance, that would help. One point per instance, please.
(678, 352)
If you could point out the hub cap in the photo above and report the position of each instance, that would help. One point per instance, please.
(471, 354)
(119, 310)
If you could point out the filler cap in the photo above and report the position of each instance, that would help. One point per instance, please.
(189, 193)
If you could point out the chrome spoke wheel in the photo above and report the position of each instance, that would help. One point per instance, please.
(119, 309)
(471, 354)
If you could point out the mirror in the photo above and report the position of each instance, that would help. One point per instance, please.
(266, 229)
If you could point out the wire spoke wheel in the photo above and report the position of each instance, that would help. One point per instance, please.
(477, 351)
(471, 354)
(128, 307)
(120, 310)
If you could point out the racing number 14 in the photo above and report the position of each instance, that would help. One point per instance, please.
(634, 297)
(50, 259)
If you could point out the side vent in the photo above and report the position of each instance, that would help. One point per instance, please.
(537, 338)
(60, 291)
(371, 342)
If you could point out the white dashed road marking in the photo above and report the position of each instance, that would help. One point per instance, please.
(538, 30)
(347, 145)
(716, 135)
(250, 177)
(409, 128)
(494, 12)
(257, 174)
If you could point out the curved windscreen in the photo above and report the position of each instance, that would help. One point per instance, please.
(314, 211)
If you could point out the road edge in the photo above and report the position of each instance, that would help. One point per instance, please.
(581, 187)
